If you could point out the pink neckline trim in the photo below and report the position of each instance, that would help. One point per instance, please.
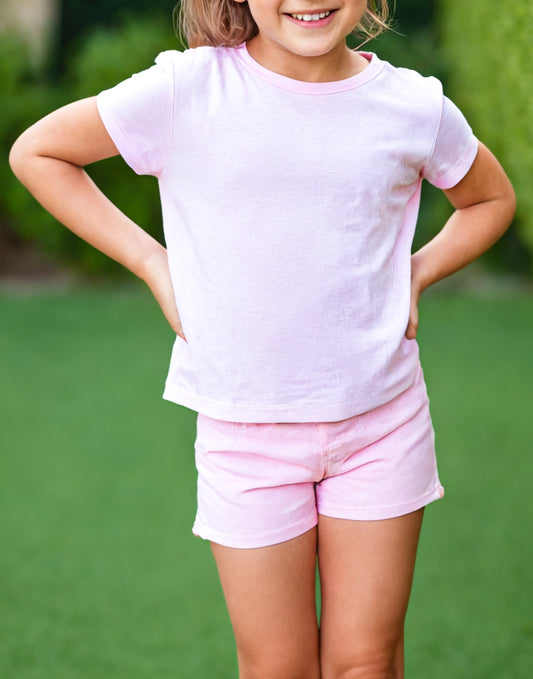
(374, 67)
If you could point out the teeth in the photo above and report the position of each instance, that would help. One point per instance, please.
(311, 17)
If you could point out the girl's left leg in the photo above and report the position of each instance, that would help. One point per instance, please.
(366, 572)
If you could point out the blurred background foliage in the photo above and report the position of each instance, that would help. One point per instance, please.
(489, 52)
(98, 45)
(100, 42)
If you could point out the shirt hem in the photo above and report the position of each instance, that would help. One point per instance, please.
(280, 413)
(459, 171)
(115, 132)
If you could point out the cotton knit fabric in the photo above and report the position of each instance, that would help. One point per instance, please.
(289, 210)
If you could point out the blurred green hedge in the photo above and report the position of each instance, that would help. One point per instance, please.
(103, 59)
(25, 98)
(489, 51)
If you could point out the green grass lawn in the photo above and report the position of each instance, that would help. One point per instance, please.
(100, 576)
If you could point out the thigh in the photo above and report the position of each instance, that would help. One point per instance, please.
(270, 595)
(366, 571)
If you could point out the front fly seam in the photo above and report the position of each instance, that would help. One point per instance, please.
(325, 449)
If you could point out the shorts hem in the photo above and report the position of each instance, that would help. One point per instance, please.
(382, 512)
(255, 541)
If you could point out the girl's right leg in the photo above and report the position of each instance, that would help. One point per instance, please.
(270, 595)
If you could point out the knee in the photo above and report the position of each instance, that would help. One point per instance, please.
(372, 666)
(365, 657)
(365, 673)
(374, 671)
(277, 672)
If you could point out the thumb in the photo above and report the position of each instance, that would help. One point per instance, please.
(412, 326)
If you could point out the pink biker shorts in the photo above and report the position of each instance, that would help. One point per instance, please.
(261, 484)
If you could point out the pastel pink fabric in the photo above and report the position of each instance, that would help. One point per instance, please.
(261, 484)
(289, 210)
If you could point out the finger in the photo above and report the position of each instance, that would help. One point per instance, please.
(411, 331)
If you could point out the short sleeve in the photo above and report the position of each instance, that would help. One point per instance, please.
(454, 150)
(138, 115)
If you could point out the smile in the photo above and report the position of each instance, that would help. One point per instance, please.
(311, 17)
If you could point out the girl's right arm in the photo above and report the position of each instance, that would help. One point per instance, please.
(49, 159)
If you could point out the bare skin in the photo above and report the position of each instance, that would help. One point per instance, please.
(303, 50)
(366, 571)
(270, 594)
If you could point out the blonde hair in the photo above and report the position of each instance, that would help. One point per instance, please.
(227, 23)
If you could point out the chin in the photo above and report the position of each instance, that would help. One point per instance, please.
(312, 51)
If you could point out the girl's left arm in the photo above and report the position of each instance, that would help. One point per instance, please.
(484, 203)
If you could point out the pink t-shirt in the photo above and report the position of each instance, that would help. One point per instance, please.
(289, 210)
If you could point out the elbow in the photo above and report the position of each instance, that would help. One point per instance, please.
(18, 157)
(508, 205)
(512, 204)
(22, 156)
(502, 205)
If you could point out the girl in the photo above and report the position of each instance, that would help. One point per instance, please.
(289, 169)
